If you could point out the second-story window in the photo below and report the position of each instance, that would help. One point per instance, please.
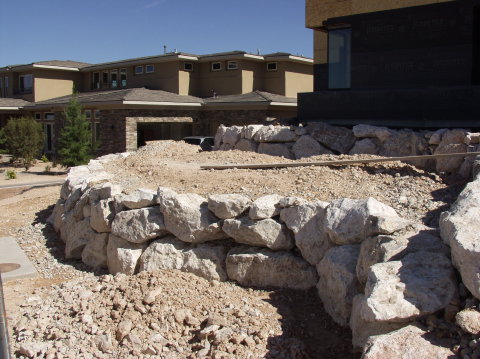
(271, 66)
(138, 70)
(105, 79)
(149, 69)
(188, 66)
(232, 65)
(123, 77)
(113, 79)
(25, 83)
(95, 80)
(216, 66)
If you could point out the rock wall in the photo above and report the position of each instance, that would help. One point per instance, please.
(318, 138)
(374, 271)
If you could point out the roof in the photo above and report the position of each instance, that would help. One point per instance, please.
(12, 103)
(134, 96)
(50, 64)
(252, 97)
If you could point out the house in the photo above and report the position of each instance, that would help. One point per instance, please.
(168, 96)
(412, 63)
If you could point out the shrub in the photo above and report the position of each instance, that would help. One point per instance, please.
(44, 158)
(47, 169)
(23, 139)
(11, 174)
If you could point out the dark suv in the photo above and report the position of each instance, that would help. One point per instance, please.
(205, 142)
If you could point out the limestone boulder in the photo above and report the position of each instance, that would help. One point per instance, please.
(78, 209)
(368, 131)
(362, 330)
(459, 229)
(307, 146)
(139, 198)
(469, 320)
(56, 218)
(101, 216)
(73, 198)
(306, 222)
(403, 143)
(249, 131)
(219, 137)
(95, 252)
(337, 284)
(276, 149)
(350, 221)
(205, 260)
(472, 138)
(188, 218)
(104, 191)
(122, 255)
(364, 146)
(232, 135)
(139, 225)
(226, 206)
(275, 134)
(246, 145)
(264, 233)
(436, 137)
(410, 342)
(385, 248)
(265, 268)
(420, 283)
(337, 139)
(451, 164)
(76, 235)
(265, 207)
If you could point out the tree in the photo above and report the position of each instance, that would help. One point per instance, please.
(75, 141)
(24, 139)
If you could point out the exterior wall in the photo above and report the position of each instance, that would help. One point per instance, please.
(298, 78)
(317, 11)
(274, 81)
(252, 75)
(183, 82)
(224, 82)
(50, 83)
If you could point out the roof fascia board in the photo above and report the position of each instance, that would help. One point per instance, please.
(10, 108)
(142, 61)
(283, 104)
(162, 103)
(289, 58)
(231, 57)
(51, 67)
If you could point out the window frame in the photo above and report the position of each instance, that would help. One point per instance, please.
(88, 114)
(138, 72)
(114, 72)
(272, 69)
(46, 116)
(219, 63)
(146, 68)
(38, 116)
(185, 66)
(49, 144)
(95, 86)
(334, 68)
(96, 114)
(21, 83)
(105, 79)
(123, 73)
(232, 62)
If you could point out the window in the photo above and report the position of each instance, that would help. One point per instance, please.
(96, 132)
(48, 130)
(38, 115)
(113, 79)
(271, 66)
(25, 83)
(232, 65)
(123, 77)
(88, 114)
(149, 69)
(138, 70)
(188, 66)
(95, 80)
(216, 66)
(6, 86)
(49, 116)
(339, 47)
(105, 79)
(96, 114)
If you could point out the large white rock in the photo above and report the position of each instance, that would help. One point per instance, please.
(56, 218)
(246, 145)
(306, 222)
(350, 221)
(460, 228)
(78, 209)
(139, 225)
(364, 146)
(104, 191)
(276, 149)
(73, 197)
(337, 284)
(385, 248)
(411, 342)
(187, 217)
(95, 252)
(453, 141)
(275, 134)
(204, 260)
(219, 137)
(139, 198)
(264, 233)
(368, 131)
(420, 283)
(226, 206)
(76, 235)
(265, 268)
(232, 135)
(265, 207)
(249, 131)
(307, 146)
(336, 138)
(122, 255)
(101, 216)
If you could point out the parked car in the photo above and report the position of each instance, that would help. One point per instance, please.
(205, 142)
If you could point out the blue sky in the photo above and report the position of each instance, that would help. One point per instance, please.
(104, 30)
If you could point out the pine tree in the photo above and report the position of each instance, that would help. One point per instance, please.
(75, 141)
(23, 139)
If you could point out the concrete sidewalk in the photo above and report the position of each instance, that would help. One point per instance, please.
(10, 252)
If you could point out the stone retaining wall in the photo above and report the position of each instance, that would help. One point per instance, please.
(373, 270)
(318, 138)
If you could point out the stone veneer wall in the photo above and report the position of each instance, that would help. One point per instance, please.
(317, 138)
(373, 270)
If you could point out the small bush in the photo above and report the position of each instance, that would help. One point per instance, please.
(11, 174)
(47, 168)
(23, 139)
(44, 158)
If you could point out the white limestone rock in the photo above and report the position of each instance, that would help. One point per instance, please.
(139, 225)
(219, 137)
(469, 320)
(369, 131)
(122, 255)
(264, 233)
(307, 146)
(336, 138)
(95, 252)
(56, 218)
(276, 149)
(436, 137)
(275, 134)
(420, 283)
(410, 342)
(76, 235)
(364, 146)
(246, 145)
(337, 284)
(265, 207)
(472, 138)
(139, 198)
(453, 141)
(101, 216)
(265, 268)
(350, 221)
(249, 131)
(205, 260)
(306, 222)
(188, 218)
(232, 135)
(226, 206)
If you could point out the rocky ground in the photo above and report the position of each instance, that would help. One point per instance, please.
(70, 312)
